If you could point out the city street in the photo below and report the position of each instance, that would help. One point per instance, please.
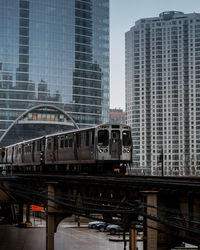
(68, 237)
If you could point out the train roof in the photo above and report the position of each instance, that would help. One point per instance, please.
(69, 131)
(103, 125)
(27, 141)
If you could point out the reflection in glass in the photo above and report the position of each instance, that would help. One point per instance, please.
(54, 53)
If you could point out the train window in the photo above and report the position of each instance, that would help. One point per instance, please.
(66, 143)
(78, 140)
(38, 146)
(62, 142)
(115, 136)
(82, 138)
(49, 144)
(87, 138)
(126, 138)
(70, 143)
(103, 137)
(92, 137)
(26, 148)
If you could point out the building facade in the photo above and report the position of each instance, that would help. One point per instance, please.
(163, 93)
(55, 53)
(117, 115)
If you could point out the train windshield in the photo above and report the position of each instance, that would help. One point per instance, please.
(103, 137)
(126, 138)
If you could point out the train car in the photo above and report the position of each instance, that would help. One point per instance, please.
(101, 148)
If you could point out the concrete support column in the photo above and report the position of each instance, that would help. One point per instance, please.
(196, 211)
(50, 220)
(28, 216)
(132, 238)
(151, 234)
(50, 232)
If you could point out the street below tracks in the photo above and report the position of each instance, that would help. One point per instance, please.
(68, 237)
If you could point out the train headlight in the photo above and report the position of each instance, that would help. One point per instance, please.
(100, 150)
(124, 151)
(106, 150)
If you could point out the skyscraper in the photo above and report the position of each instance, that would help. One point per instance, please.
(163, 93)
(54, 52)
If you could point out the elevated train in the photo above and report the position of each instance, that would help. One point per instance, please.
(99, 149)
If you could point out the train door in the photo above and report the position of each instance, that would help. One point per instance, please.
(115, 144)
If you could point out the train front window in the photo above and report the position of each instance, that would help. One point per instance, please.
(126, 138)
(103, 137)
(115, 136)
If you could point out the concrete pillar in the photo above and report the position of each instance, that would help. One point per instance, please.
(151, 234)
(132, 239)
(196, 211)
(50, 232)
(28, 216)
(50, 220)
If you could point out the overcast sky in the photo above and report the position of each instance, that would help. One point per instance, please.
(123, 14)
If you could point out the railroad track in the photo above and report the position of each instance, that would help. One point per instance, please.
(189, 184)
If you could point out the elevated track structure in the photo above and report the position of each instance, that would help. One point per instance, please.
(169, 206)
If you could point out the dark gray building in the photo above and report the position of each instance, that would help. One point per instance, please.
(54, 53)
(163, 93)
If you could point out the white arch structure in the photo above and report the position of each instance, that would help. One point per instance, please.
(72, 123)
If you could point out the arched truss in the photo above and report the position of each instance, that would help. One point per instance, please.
(23, 115)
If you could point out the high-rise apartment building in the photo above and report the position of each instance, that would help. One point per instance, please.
(54, 52)
(163, 93)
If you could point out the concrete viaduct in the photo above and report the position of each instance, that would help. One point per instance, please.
(169, 206)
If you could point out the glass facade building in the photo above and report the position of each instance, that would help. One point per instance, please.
(163, 93)
(54, 52)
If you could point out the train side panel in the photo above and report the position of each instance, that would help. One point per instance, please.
(15, 155)
(66, 146)
(60, 149)
(20, 154)
(9, 154)
(27, 154)
(86, 146)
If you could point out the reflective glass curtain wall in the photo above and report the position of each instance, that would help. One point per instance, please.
(54, 52)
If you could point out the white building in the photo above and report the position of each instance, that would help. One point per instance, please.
(163, 93)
